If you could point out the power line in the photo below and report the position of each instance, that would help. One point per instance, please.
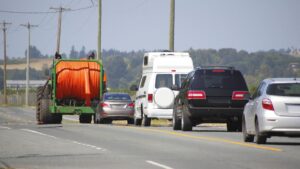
(45, 12)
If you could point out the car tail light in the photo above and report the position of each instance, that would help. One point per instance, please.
(131, 105)
(240, 95)
(150, 98)
(104, 104)
(218, 71)
(267, 104)
(196, 95)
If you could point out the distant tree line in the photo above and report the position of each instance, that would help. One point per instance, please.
(125, 68)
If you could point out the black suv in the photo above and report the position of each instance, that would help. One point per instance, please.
(214, 94)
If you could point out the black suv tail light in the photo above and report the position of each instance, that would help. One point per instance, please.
(240, 95)
(196, 95)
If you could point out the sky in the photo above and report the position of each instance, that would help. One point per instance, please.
(127, 25)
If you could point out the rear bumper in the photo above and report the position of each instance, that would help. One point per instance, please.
(117, 114)
(159, 113)
(269, 122)
(215, 113)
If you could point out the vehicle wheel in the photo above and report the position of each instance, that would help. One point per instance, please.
(146, 121)
(130, 121)
(85, 118)
(246, 137)
(107, 121)
(56, 118)
(39, 95)
(137, 122)
(234, 126)
(175, 121)
(45, 116)
(259, 137)
(186, 124)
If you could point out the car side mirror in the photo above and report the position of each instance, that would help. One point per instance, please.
(175, 87)
(134, 88)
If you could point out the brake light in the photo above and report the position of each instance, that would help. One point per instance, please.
(150, 98)
(131, 105)
(267, 104)
(239, 95)
(104, 104)
(196, 95)
(218, 71)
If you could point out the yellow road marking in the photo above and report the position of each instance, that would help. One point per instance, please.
(214, 139)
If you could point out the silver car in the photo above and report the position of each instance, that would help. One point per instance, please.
(115, 106)
(273, 110)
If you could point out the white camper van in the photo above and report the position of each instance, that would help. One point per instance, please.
(154, 97)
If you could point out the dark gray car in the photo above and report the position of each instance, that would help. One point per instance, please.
(115, 106)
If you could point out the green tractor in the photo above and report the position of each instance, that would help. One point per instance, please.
(75, 87)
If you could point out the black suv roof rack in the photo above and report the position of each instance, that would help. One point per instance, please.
(216, 67)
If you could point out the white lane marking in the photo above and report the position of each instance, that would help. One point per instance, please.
(88, 145)
(36, 132)
(3, 127)
(76, 142)
(158, 165)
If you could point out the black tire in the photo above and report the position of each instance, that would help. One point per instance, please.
(137, 122)
(234, 126)
(107, 121)
(186, 124)
(85, 118)
(45, 116)
(146, 121)
(246, 137)
(39, 95)
(176, 121)
(130, 121)
(259, 137)
(56, 118)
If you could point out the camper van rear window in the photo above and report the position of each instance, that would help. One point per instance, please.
(145, 60)
(163, 80)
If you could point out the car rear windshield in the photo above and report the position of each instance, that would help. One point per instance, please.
(219, 79)
(124, 97)
(286, 89)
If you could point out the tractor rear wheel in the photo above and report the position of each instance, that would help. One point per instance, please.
(85, 118)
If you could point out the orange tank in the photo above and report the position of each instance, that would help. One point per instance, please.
(78, 80)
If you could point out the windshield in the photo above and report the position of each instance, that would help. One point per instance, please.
(286, 89)
(224, 79)
(124, 97)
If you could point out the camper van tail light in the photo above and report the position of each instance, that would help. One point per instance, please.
(173, 70)
(150, 98)
(196, 95)
(267, 104)
(240, 95)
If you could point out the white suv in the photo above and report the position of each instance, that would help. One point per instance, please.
(154, 97)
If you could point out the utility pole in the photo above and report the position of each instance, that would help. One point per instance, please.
(172, 25)
(28, 26)
(99, 57)
(60, 10)
(5, 57)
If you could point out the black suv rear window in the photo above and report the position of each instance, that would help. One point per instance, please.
(221, 79)
(284, 89)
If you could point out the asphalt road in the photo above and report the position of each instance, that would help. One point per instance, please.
(25, 145)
